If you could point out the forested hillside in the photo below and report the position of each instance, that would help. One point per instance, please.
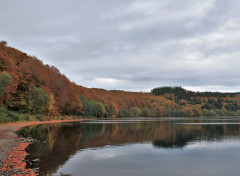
(31, 90)
(201, 103)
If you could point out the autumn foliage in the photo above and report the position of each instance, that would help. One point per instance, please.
(27, 86)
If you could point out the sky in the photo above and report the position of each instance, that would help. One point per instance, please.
(132, 45)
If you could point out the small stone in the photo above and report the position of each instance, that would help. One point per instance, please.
(36, 161)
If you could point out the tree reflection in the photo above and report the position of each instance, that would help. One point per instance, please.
(61, 141)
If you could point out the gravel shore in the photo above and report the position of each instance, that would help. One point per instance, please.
(8, 139)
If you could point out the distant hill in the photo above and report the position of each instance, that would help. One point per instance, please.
(32, 89)
(201, 103)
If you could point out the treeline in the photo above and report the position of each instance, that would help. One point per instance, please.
(30, 90)
(201, 103)
(181, 92)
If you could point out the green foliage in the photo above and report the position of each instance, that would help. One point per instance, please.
(102, 112)
(219, 112)
(39, 117)
(38, 102)
(179, 91)
(230, 113)
(134, 112)
(9, 116)
(146, 112)
(123, 113)
(175, 113)
(5, 80)
(213, 104)
(232, 106)
(209, 112)
(168, 113)
(178, 113)
(93, 108)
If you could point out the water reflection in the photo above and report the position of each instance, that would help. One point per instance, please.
(126, 144)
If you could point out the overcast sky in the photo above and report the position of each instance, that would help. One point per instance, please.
(131, 45)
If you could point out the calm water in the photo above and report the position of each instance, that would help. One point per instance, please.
(152, 147)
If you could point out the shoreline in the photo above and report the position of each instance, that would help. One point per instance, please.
(12, 147)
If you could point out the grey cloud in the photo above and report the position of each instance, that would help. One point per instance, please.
(131, 45)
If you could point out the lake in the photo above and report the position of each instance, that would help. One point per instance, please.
(137, 147)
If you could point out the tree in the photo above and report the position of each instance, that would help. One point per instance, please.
(38, 102)
(209, 112)
(102, 112)
(112, 110)
(134, 112)
(123, 113)
(51, 103)
(146, 112)
(5, 80)
(93, 108)
(3, 64)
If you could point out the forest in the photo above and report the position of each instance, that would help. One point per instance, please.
(30, 90)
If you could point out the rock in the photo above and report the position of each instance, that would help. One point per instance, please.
(36, 161)
(30, 140)
(36, 169)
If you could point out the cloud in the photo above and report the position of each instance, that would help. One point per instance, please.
(131, 45)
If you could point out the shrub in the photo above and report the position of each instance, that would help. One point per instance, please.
(219, 112)
(10, 116)
(38, 101)
(229, 113)
(134, 112)
(39, 117)
(146, 112)
(123, 113)
(209, 112)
